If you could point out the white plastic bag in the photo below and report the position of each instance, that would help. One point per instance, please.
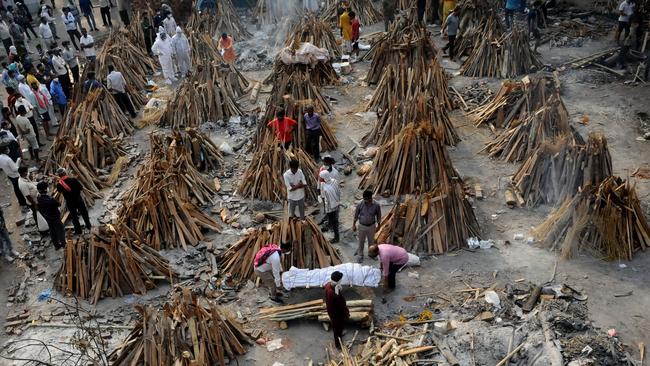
(41, 223)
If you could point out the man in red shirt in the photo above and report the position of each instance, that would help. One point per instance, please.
(355, 33)
(337, 309)
(283, 128)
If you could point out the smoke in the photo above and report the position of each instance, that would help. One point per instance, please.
(285, 13)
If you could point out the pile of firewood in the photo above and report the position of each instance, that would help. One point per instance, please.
(415, 160)
(186, 331)
(162, 206)
(606, 220)
(406, 43)
(201, 98)
(205, 54)
(360, 312)
(301, 240)
(225, 20)
(505, 56)
(515, 100)
(547, 124)
(100, 110)
(555, 172)
(434, 222)
(315, 31)
(364, 10)
(203, 152)
(110, 262)
(263, 179)
(475, 25)
(318, 74)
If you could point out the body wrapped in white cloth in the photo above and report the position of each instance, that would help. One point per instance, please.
(354, 274)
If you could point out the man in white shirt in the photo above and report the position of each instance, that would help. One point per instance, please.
(268, 266)
(295, 182)
(105, 10)
(11, 170)
(5, 35)
(45, 32)
(26, 131)
(87, 43)
(70, 58)
(45, 13)
(117, 86)
(331, 196)
(625, 11)
(61, 70)
(71, 26)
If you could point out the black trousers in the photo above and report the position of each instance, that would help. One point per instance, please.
(7, 43)
(338, 325)
(75, 73)
(333, 222)
(124, 16)
(57, 233)
(624, 26)
(73, 33)
(66, 85)
(450, 46)
(76, 209)
(392, 271)
(125, 104)
(313, 143)
(106, 16)
(19, 196)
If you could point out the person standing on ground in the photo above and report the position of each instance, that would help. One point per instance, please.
(75, 12)
(71, 190)
(91, 83)
(61, 71)
(451, 31)
(313, 132)
(5, 35)
(29, 191)
(422, 6)
(389, 13)
(328, 165)
(625, 11)
(27, 132)
(162, 48)
(511, 6)
(283, 128)
(331, 195)
(29, 109)
(71, 26)
(148, 30)
(46, 13)
(87, 43)
(227, 48)
(368, 214)
(337, 308)
(391, 258)
(344, 7)
(8, 138)
(105, 10)
(123, 8)
(356, 27)
(295, 181)
(49, 209)
(182, 51)
(45, 32)
(86, 7)
(116, 85)
(58, 96)
(18, 35)
(70, 58)
(346, 28)
(169, 23)
(7, 248)
(268, 267)
(533, 19)
(25, 24)
(10, 168)
(44, 106)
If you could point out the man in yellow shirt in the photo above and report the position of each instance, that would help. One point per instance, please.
(346, 28)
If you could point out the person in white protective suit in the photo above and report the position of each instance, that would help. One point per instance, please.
(162, 48)
(181, 47)
(170, 24)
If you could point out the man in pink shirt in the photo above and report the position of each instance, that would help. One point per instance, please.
(391, 258)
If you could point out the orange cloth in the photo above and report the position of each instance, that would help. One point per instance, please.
(229, 51)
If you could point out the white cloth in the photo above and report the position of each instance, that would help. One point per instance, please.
(163, 49)
(307, 53)
(294, 179)
(330, 191)
(9, 134)
(28, 188)
(29, 107)
(272, 264)
(70, 57)
(8, 166)
(115, 82)
(181, 47)
(87, 40)
(59, 65)
(170, 25)
(354, 274)
(69, 21)
(25, 91)
(627, 9)
(45, 31)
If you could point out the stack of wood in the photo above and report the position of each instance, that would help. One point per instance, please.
(475, 25)
(135, 30)
(272, 11)
(360, 312)
(515, 101)
(548, 124)
(414, 161)
(161, 207)
(225, 20)
(315, 31)
(304, 245)
(185, 331)
(203, 152)
(110, 262)
(128, 58)
(434, 222)
(503, 56)
(364, 10)
(201, 98)
(406, 43)
(100, 110)
(263, 180)
(293, 93)
(206, 55)
(319, 74)
(606, 220)
(555, 172)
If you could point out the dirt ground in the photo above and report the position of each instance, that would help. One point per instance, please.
(612, 107)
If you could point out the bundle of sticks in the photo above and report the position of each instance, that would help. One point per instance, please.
(128, 58)
(263, 179)
(201, 98)
(545, 125)
(320, 73)
(225, 20)
(135, 29)
(407, 42)
(293, 93)
(415, 160)
(503, 56)
(202, 151)
(304, 245)
(360, 312)
(100, 110)
(475, 25)
(315, 31)
(515, 100)
(205, 54)
(556, 171)
(434, 222)
(606, 220)
(364, 10)
(110, 262)
(185, 331)
(422, 107)
(160, 207)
